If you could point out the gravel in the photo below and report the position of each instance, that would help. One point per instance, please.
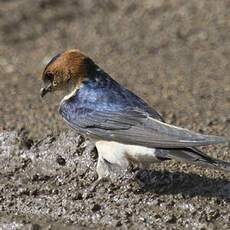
(174, 54)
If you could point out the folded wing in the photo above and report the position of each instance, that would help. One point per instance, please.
(134, 126)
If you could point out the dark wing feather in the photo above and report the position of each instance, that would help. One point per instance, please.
(135, 127)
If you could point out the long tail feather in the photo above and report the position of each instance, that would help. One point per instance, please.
(195, 156)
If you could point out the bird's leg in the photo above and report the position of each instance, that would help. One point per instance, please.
(96, 183)
(103, 175)
(103, 171)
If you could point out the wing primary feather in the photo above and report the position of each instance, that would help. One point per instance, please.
(194, 155)
(136, 127)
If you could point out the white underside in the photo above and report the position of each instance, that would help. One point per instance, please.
(123, 155)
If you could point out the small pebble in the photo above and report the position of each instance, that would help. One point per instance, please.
(96, 207)
(60, 160)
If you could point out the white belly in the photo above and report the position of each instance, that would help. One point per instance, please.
(123, 155)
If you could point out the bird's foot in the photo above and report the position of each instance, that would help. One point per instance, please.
(97, 183)
(93, 187)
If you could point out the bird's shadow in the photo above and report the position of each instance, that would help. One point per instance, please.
(186, 184)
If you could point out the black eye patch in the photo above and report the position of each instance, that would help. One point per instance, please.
(49, 76)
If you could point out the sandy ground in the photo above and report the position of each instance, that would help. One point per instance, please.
(175, 54)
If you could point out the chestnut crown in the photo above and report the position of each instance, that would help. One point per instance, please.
(68, 68)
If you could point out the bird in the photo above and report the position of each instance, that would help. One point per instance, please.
(123, 127)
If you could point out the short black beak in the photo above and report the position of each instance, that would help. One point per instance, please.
(45, 90)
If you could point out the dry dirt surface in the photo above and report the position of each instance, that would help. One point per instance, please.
(174, 54)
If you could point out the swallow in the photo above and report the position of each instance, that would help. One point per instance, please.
(124, 128)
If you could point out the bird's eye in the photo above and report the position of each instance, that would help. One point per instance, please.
(49, 76)
(54, 83)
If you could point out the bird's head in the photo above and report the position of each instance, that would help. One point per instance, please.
(65, 70)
